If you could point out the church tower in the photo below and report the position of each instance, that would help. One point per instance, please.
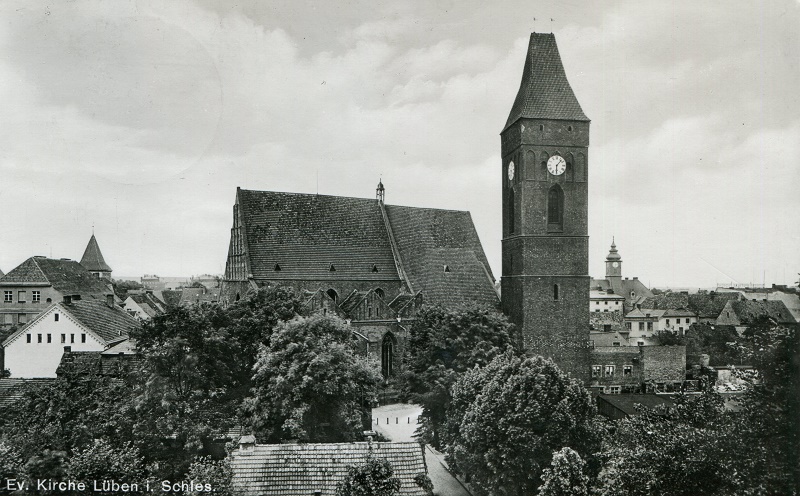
(545, 272)
(614, 269)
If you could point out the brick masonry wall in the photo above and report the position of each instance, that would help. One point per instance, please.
(664, 363)
(619, 357)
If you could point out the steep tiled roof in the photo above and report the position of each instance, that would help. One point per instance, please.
(748, 311)
(442, 255)
(93, 259)
(149, 304)
(11, 389)
(96, 362)
(544, 92)
(705, 305)
(66, 276)
(627, 402)
(172, 297)
(107, 322)
(301, 469)
(315, 237)
(192, 296)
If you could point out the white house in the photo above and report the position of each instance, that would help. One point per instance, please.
(35, 350)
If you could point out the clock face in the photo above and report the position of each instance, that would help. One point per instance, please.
(511, 171)
(615, 264)
(556, 165)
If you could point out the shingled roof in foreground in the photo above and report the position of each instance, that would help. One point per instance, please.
(301, 469)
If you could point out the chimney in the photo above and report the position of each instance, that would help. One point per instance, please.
(110, 300)
(247, 444)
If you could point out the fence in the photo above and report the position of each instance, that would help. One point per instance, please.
(380, 420)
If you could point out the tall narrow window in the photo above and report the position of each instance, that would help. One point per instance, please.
(511, 211)
(555, 292)
(555, 209)
(387, 355)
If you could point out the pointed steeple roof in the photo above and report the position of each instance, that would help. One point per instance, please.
(92, 259)
(544, 92)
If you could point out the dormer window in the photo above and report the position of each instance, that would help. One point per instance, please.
(331, 268)
(447, 268)
(277, 268)
(374, 268)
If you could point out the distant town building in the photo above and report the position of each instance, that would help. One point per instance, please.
(196, 296)
(704, 304)
(156, 283)
(208, 281)
(144, 305)
(788, 295)
(637, 369)
(74, 324)
(633, 291)
(120, 360)
(645, 322)
(316, 468)
(93, 260)
(37, 282)
(744, 313)
(605, 301)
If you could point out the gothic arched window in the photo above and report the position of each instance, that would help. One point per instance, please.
(333, 294)
(511, 212)
(542, 176)
(380, 292)
(387, 355)
(555, 209)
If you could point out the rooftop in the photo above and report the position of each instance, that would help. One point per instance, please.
(301, 469)
(544, 92)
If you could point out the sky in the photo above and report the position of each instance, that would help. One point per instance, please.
(137, 120)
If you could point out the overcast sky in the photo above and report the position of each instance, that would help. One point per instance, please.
(141, 119)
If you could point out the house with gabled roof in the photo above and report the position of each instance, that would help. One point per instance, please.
(316, 468)
(39, 281)
(374, 262)
(704, 304)
(144, 305)
(744, 313)
(74, 324)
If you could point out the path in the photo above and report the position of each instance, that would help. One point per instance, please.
(402, 422)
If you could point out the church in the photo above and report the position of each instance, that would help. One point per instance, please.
(374, 264)
(370, 263)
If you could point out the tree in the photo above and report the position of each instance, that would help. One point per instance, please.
(372, 478)
(311, 384)
(714, 340)
(700, 447)
(565, 475)
(102, 461)
(443, 345)
(667, 337)
(121, 288)
(217, 473)
(508, 418)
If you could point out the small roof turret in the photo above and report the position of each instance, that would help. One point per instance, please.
(92, 259)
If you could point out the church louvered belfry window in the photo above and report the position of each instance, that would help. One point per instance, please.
(555, 209)
(511, 212)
